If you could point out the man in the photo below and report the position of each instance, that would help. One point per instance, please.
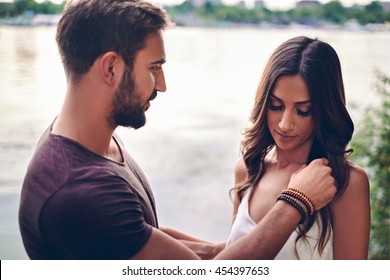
(83, 196)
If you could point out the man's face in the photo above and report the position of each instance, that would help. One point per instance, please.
(140, 86)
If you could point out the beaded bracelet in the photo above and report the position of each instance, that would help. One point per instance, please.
(299, 205)
(302, 197)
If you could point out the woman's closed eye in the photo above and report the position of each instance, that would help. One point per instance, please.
(280, 107)
(305, 113)
(274, 107)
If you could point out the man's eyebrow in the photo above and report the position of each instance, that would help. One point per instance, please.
(160, 61)
(298, 103)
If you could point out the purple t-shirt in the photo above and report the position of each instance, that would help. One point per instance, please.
(76, 204)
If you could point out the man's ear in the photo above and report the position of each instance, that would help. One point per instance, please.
(110, 67)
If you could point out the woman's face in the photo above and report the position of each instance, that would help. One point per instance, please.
(289, 114)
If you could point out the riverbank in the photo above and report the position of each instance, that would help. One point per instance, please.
(190, 21)
(351, 25)
(31, 20)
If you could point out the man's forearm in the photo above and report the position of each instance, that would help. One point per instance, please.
(269, 236)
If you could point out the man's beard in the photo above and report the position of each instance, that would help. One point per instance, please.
(127, 108)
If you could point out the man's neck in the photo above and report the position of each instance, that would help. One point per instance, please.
(85, 121)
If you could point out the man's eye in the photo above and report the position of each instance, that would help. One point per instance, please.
(156, 68)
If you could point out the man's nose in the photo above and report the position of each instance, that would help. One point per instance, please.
(160, 82)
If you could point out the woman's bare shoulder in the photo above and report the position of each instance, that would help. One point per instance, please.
(358, 177)
(358, 185)
(240, 170)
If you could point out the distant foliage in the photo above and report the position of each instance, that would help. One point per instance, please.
(371, 146)
(20, 7)
(331, 12)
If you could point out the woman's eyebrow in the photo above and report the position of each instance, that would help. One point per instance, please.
(303, 102)
(277, 98)
(298, 103)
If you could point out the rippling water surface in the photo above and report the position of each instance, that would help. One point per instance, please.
(190, 143)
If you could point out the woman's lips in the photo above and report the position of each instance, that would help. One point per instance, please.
(283, 136)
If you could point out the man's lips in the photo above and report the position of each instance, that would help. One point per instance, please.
(153, 96)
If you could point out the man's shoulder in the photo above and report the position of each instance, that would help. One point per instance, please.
(64, 157)
(91, 192)
(62, 167)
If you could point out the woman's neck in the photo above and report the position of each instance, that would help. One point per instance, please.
(283, 158)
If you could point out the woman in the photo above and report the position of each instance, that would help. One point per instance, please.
(300, 115)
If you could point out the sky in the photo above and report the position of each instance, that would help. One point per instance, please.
(272, 4)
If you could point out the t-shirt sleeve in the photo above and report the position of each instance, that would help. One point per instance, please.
(95, 220)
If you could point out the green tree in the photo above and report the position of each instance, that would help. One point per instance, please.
(236, 14)
(208, 9)
(22, 6)
(374, 13)
(7, 9)
(307, 16)
(185, 7)
(48, 7)
(372, 150)
(334, 11)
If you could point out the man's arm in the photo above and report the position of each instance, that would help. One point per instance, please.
(264, 242)
(161, 246)
(269, 236)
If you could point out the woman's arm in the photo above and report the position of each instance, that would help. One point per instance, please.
(240, 176)
(351, 218)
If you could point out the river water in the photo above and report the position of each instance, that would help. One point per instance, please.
(191, 141)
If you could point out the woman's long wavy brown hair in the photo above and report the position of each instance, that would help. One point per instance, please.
(318, 64)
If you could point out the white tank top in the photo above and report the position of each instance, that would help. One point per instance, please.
(307, 249)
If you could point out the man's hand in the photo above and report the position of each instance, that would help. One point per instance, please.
(205, 251)
(316, 182)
